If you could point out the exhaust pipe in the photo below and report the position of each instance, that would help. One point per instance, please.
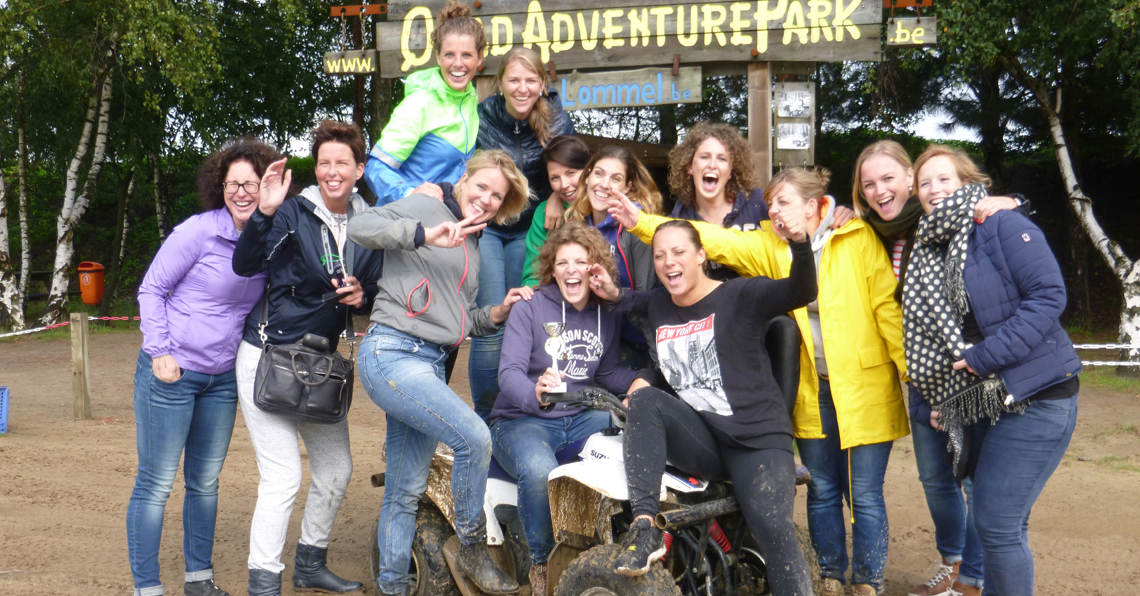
(688, 516)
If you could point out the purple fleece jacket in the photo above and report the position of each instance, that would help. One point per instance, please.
(591, 337)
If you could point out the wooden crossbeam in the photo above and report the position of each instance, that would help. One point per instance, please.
(355, 11)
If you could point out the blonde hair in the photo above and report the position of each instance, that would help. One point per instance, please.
(455, 19)
(517, 197)
(890, 149)
(642, 188)
(809, 183)
(967, 170)
(539, 118)
(743, 177)
(574, 232)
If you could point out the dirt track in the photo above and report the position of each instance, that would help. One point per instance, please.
(64, 487)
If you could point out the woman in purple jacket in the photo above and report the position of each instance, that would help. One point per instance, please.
(525, 434)
(193, 308)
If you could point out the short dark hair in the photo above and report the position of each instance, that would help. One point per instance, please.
(212, 173)
(683, 224)
(567, 150)
(331, 131)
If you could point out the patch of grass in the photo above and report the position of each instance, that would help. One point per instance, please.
(1122, 429)
(1118, 463)
(1105, 377)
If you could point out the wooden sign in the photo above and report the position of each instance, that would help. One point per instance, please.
(351, 62)
(912, 32)
(623, 33)
(626, 88)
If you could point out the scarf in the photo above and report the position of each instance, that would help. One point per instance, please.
(897, 227)
(934, 302)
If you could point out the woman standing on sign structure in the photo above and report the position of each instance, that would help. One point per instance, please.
(988, 353)
(192, 308)
(521, 120)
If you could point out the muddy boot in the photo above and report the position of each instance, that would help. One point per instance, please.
(264, 583)
(643, 545)
(475, 563)
(205, 587)
(538, 579)
(311, 575)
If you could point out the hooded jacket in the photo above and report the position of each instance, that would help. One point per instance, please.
(498, 129)
(428, 292)
(860, 321)
(429, 138)
(591, 338)
(289, 245)
(748, 210)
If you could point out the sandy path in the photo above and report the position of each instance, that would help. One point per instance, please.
(64, 487)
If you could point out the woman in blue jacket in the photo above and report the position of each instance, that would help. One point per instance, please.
(985, 347)
(521, 120)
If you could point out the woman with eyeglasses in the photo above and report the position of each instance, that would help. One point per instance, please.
(192, 308)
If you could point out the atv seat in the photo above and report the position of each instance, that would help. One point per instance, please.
(565, 455)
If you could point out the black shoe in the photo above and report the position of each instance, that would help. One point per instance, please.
(264, 583)
(642, 546)
(205, 587)
(475, 562)
(311, 575)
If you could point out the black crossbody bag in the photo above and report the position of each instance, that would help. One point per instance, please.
(306, 381)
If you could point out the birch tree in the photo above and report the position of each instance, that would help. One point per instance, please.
(9, 286)
(1042, 46)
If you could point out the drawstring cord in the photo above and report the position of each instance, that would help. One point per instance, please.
(850, 486)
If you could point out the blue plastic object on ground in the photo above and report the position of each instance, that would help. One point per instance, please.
(3, 410)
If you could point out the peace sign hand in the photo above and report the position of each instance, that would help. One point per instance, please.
(450, 234)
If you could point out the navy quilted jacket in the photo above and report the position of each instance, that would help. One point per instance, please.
(1017, 295)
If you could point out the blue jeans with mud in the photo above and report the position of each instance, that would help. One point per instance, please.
(855, 475)
(404, 375)
(501, 258)
(525, 447)
(194, 416)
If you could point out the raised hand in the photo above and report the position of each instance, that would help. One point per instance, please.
(991, 205)
(843, 214)
(429, 189)
(601, 284)
(502, 311)
(623, 210)
(451, 234)
(274, 187)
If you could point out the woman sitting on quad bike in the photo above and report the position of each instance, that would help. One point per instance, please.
(526, 433)
(731, 421)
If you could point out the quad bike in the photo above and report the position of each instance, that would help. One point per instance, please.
(710, 550)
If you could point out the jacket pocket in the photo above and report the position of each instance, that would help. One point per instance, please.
(872, 356)
(418, 298)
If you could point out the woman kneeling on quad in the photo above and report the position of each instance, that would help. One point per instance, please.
(730, 422)
(526, 433)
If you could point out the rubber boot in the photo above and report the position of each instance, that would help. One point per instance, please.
(311, 575)
(264, 583)
(475, 563)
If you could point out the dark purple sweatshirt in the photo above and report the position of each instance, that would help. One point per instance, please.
(591, 337)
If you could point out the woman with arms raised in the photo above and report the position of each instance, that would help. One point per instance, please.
(425, 309)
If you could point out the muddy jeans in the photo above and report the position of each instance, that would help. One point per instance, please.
(662, 426)
(403, 374)
(274, 441)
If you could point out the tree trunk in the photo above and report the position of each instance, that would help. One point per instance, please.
(115, 258)
(22, 174)
(667, 122)
(159, 204)
(74, 206)
(10, 312)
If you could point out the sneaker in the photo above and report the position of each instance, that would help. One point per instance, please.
(643, 545)
(831, 587)
(939, 585)
(961, 589)
(205, 587)
(864, 590)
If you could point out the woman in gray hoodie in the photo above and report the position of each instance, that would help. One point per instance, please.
(526, 433)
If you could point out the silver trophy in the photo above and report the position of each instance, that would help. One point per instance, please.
(557, 350)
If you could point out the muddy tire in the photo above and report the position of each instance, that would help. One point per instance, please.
(430, 574)
(592, 574)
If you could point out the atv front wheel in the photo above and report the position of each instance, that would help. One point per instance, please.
(592, 574)
(430, 575)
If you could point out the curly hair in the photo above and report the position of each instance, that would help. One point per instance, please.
(331, 131)
(574, 232)
(455, 19)
(968, 171)
(642, 188)
(213, 171)
(518, 192)
(744, 177)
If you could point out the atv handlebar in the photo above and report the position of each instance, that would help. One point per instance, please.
(594, 398)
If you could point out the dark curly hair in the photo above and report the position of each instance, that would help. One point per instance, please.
(212, 172)
(574, 232)
(744, 177)
(331, 131)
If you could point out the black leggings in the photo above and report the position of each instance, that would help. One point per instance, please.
(663, 427)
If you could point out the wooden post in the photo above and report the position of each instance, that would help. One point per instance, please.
(760, 116)
(80, 363)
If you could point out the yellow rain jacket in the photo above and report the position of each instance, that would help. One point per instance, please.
(859, 319)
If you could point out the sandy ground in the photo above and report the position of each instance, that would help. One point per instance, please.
(64, 487)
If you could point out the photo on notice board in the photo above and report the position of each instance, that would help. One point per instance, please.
(793, 136)
(793, 103)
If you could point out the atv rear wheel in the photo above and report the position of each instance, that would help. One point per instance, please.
(430, 575)
(592, 574)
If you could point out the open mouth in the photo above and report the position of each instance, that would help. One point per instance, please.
(572, 286)
(673, 280)
(334, 185)
(476, 210)
(569, 193)
(709, 182)
(458, 75)
(886, 203)
(243, 204)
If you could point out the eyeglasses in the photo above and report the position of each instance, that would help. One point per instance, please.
(232, 187)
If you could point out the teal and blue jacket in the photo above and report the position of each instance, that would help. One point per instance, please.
(429, 138)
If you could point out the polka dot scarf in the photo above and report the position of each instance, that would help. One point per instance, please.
(934, 302)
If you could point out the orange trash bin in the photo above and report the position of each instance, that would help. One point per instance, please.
(91, 282)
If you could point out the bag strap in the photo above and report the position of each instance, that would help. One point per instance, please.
(264, 317)
(349, 257)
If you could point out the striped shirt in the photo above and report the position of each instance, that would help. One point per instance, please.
(896, 255)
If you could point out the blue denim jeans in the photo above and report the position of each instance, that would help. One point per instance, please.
(1015, 457)
(953, 516)
(501, 258)
(862, 488)
(403, 374)
(194, 414)
(525, 447)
